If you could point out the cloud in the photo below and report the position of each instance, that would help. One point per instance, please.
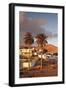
(28, 24)
(52, 35)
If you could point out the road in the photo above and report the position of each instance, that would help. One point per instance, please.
(50, 70)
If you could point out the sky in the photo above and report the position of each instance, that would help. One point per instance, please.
(39, 23)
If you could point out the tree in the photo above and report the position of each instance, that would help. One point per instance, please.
(41, 41)
(45, 42)
(28, 39)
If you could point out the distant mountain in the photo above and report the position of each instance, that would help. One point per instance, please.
(51, 48)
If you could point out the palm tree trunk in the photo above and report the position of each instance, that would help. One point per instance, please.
(41, 60)
(29, 60)
(28, 64)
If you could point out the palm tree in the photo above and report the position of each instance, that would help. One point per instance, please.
(45, 42)
(28, 40)
(41, 40)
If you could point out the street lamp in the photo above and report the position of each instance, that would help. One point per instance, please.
(35, 53)
(39, 56)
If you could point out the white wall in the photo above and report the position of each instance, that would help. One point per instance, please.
(4, 44)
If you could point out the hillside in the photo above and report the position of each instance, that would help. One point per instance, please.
(51, 48)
